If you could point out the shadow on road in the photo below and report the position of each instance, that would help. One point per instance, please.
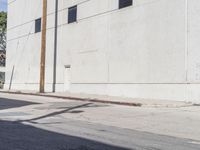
(17, 136)
(11, 103)
(57, 112)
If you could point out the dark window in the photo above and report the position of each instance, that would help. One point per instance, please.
(125, 3)
(37, 25)
(72, 14)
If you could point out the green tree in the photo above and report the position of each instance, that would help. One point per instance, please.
(3, 25)
(3, 28)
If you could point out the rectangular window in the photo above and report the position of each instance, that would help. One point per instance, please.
(125, 3)
(37, 25)
(72, 14)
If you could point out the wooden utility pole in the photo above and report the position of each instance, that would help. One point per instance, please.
(43, 47)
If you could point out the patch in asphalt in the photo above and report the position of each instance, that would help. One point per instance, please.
(13, 114)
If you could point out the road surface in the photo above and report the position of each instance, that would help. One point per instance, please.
(28, 124)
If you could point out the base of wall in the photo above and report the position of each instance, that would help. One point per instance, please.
(176, 92)
(33, 87)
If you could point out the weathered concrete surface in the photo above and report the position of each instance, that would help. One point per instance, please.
(127, 101)
(57, 124)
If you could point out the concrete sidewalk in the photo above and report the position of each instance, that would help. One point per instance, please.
(107, 99)
(126, 100)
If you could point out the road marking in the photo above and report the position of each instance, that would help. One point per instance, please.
(195, 142)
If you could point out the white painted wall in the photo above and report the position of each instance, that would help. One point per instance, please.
(148, 50)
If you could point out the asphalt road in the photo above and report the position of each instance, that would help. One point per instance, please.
(52, 132)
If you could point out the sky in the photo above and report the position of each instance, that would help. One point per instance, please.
(3, 5)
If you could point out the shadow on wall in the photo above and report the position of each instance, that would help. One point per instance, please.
(11, 103)
(15, 135)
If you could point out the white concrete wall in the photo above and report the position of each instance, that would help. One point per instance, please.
(148, 50)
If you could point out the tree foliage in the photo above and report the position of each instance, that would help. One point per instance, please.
(3, 28)
(3, 25)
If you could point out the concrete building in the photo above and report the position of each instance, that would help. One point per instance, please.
(149, 49)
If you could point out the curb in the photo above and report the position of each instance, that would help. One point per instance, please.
(76, 98)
